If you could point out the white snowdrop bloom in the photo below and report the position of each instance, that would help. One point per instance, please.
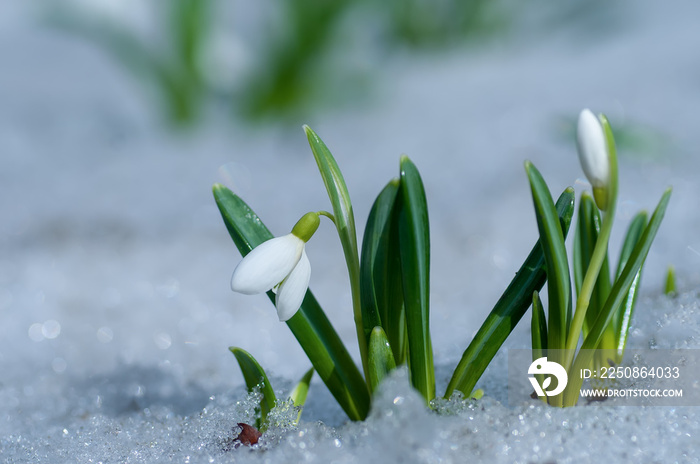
(594, 156)
(279, 263)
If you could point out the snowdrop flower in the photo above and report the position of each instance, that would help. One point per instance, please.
(594, 156)
(279, 264)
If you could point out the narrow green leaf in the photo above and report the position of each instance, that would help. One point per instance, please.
(300, 392)
(552, 240)
(578, 259)
(538, 327)
(381, 358)
(255, 376)
(380, 272)
(622, 318)
(345, 224)
(538, 332)
(309, 325)
(509, 309)
(634, 232)
(618, 293)
(414, 241)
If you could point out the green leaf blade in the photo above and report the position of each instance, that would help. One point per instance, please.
(552, 240)
(380, 272)
(381, 358)
(622, 319)
(414, 241)
(255, 376)
(301, 391)
(508, 310)
(538, 328)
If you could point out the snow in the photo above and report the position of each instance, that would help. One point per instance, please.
(115, 307)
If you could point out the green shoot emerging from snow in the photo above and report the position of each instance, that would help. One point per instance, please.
(604, 305)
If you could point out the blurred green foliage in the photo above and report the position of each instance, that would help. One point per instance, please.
(430, 23)
(173, 70)
(300, 51)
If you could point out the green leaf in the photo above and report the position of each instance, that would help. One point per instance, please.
(414, 242)
(309, 325)
(300, 392)
(381, 358)
(345, 223)
(634, 232)
(380, 272)
(552, 240)
(618, 293)
(538, 331)
(509, 309)
(578, 260)
(255, 376)
(538, 328)
(622, 318)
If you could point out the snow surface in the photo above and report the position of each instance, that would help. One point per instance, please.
(114, 264)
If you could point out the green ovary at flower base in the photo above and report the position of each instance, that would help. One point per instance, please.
(279, 264)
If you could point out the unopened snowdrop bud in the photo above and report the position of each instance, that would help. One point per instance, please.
(594, 156)
(279, 263)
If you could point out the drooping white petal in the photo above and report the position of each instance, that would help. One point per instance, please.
(292, 290)
(267, 265)
(592, 149)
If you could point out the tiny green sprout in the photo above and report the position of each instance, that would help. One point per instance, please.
(670, 288)
(280, 263)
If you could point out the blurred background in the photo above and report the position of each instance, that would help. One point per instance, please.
(116, 117)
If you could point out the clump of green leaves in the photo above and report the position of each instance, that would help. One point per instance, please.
(604, 304)
(390, 285)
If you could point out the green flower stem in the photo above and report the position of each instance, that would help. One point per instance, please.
(354, 273)
(599, 252)
(328, 215)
